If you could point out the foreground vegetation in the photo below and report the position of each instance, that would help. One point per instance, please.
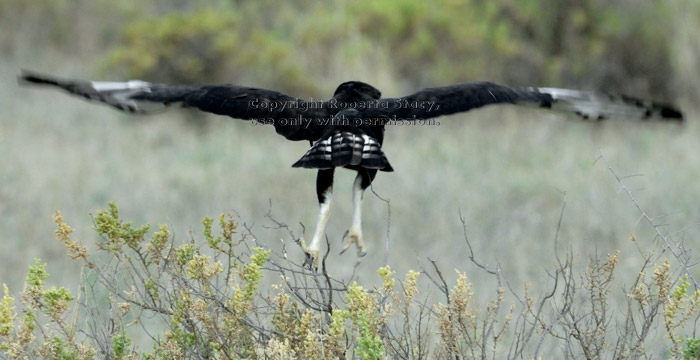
(203, 299)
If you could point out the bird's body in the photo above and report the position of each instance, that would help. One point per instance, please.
(348, 129)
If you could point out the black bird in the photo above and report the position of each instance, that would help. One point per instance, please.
(348, 129)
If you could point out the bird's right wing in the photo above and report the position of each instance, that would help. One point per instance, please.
(289, 115)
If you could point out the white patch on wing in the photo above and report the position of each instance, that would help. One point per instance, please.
(119, 94)
(595, 105)
(120, 86)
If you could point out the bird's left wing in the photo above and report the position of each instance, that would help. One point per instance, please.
(289, 115)
(434, 102)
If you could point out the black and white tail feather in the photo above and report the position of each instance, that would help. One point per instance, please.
(344, 148)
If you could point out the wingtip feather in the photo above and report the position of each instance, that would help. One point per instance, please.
(28, 77)
(671, 113)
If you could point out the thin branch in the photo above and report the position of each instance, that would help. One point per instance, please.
(680, 256)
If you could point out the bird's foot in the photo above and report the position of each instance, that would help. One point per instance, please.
(355, 237)
(310, 256)
(311, 260)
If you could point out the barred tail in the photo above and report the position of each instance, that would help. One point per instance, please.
(344, 148)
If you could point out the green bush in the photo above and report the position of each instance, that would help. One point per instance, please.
(692, 351)
(208, 44)
(204, 299)
(591, 44)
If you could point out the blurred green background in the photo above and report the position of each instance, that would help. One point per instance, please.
(505, 169)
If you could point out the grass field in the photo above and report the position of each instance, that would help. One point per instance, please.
(507, 171)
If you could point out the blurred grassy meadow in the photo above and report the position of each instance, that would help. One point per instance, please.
(507, 171)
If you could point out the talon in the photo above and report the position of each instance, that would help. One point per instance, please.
(345, 248)
(310, 256)
(311, 259)
(355, 238)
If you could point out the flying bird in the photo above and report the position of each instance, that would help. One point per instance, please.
(348, 129)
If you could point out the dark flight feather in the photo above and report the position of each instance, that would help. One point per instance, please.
(447, 100)
(298, 119)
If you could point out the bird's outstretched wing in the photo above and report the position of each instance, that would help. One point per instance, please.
(434, 102)
(291, 117)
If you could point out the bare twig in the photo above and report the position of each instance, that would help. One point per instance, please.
(677, 249)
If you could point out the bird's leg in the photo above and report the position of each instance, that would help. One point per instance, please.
(362, 181)
(354, 234)
(324, 190)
